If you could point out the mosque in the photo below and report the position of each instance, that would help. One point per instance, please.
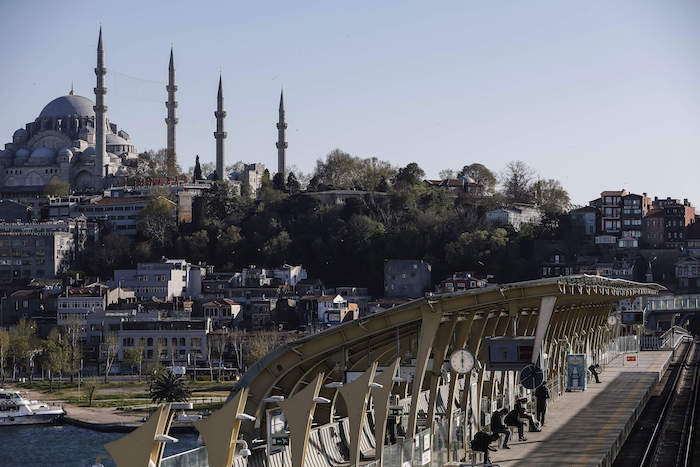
(73, 142)
(70, 141)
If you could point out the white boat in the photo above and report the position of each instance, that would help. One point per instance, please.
(16, 410)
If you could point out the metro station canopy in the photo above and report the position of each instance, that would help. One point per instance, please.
(432, 325)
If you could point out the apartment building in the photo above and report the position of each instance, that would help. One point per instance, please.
(35, 250)
(677, 216)
(164, 280)
(121, 214)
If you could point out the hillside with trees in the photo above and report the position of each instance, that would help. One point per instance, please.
(401, 216)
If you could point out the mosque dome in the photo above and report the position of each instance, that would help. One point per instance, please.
(21, 155)
(114, 140)
(19, 136)
(41, 156)
(66, 106)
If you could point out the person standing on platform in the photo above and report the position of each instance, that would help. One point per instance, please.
(541, 395)
(498, 427)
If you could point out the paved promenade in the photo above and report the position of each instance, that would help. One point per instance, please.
(588, 428)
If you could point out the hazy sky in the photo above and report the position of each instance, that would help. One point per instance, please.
(600, 94)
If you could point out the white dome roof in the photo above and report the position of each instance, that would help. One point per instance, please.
(23, 152)
(68, 106)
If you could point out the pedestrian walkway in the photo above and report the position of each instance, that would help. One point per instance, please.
(589, 428)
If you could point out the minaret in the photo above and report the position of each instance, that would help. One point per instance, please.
(100, 111)
(220, 134)
(281, 143)
(171, 120)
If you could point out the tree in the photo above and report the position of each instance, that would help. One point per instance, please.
(91, 388)
(550, 196)
(72, 330)
(517, 181)
(166, 386)
(338, 171)
(446, 174)
(57, 187)
(258, 346)
(371, 173)
(4, 350)
(278, 181)
(293, 184)
(236, 338)
(482, 176)
(133, 356)
(265, 179)
(197, 173)
(314, 183)
(410, 175)
(24, 345)
(110, 351)
(55, 355)
(157, 221)
(218, 341)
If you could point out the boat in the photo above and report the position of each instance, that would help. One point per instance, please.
(16, 410)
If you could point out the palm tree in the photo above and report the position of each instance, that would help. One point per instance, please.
(168, 387)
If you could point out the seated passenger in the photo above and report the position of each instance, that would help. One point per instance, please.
(497, 426)
(513, 419)
(481, 443)
(520, 406)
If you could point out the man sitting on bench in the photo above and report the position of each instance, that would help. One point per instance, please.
(498, 427)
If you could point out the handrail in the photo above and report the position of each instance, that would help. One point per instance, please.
(696, 383)
(662, 416)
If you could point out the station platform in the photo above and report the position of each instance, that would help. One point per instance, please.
(589, 428)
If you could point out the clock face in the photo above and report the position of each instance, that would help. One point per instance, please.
(462, 361)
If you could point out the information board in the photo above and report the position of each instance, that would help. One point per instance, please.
(576, 372)
(509, 353)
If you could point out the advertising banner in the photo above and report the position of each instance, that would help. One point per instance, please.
(576, 372)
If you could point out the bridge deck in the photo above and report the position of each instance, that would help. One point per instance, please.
(589, 428)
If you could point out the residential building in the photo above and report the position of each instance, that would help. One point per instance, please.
(463, 184)
(120, 214)
(610, 220)
(693, 239)
(406, 278)
(180, 341)
(515, 215)
(35, 250)
(289, 275)
(31, 304)
(13, 211)
(164, 280)
(585, 220)
(653, 229)
(557, 264)
(260, 312)
(336, 309)
(222, 313)
(688, 273)
(78, 303)
(634, 209)
(460, 281)
(677, 216)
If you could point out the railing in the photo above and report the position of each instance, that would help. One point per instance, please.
(196, 457)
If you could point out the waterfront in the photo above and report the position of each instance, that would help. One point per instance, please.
(64, 445)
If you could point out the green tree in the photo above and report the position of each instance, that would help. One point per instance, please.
(54, 355)
(4, 350)
(481, 175)
(133, 356)
(24, 346)
(166, 386)
(91, 389)
(293, 184)
(157, 221)
(372, 172)
(72, 331)
(517, 182)
(278, 181)
(550, 196)
(410, 175)
(57, 187)
(110, 352)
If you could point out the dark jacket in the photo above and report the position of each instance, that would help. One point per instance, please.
(496, 422)
(542, 394)
(513, 418)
